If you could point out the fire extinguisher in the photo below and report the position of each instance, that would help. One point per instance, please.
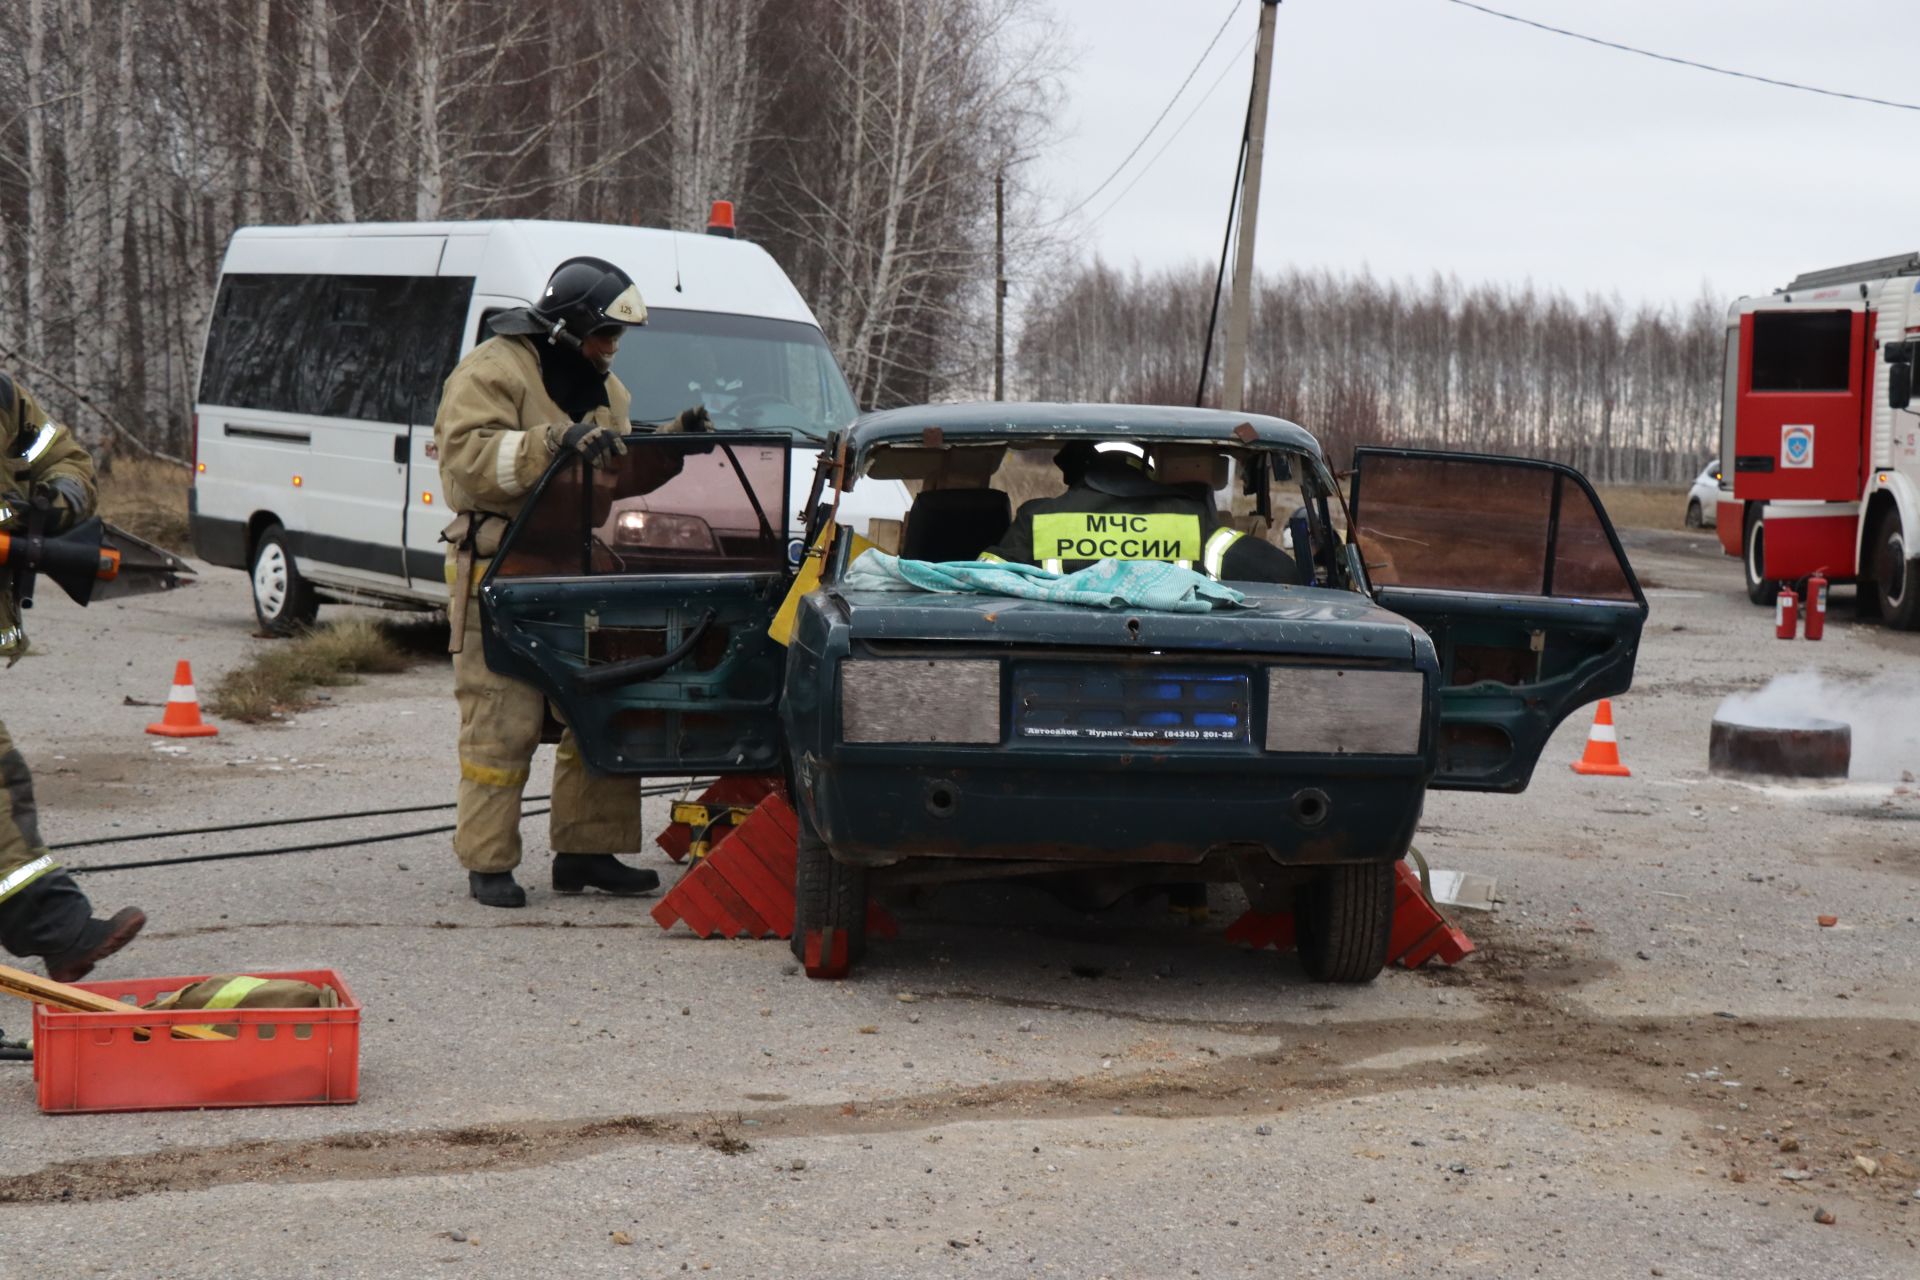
(1786, 613)
(1817, 604)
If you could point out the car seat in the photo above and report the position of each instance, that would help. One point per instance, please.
(955, 524)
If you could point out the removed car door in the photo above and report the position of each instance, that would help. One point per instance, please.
(1511, 565)
(637, 598)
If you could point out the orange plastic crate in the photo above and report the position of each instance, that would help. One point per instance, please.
(280, 1058)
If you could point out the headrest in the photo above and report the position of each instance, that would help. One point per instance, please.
(1190, 464)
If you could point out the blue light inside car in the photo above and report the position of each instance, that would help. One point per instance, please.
(796, 551)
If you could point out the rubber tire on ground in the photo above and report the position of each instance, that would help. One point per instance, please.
(283, 601)
(828, 894)
(1343, 920)
(1752, 557)
(1696, 519)
(1896, 575)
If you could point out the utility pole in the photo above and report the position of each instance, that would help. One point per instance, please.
(1240, 301)
(999, 284)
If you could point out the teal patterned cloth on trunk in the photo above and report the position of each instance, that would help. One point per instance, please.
(1134, 584)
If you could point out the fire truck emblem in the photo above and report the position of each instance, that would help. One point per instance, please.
(1796, 446)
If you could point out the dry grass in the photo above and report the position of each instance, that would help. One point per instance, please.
(281, 677)
(1645, 506)
(146, 498)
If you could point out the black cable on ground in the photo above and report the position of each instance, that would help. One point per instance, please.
(267, 822)
(271, 853)
(653, 792)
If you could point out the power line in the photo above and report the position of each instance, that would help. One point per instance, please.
(1217, 81)
(1232, 9)
(1685, 62)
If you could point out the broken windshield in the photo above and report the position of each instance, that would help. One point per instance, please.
(750, 373)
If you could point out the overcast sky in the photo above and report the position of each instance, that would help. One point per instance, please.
(1412, 136)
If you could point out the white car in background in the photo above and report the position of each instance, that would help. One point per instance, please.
(1703, 499)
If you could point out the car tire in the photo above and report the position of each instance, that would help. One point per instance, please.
(283, 601)
(1896, 576)
(1696, 518)
(1343, 919)
(1753, 557)
(829, 910)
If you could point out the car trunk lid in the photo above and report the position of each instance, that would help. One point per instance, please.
(1302, 621)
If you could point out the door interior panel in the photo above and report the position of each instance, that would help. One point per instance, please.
(1513, 569)
(638, 600)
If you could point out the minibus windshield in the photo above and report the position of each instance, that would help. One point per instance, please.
(750, 372)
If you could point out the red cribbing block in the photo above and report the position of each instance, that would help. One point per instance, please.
(1421, 933)
(826, 954)
(745, 789)
(1263, 929)
(758, 861)
(744, 887)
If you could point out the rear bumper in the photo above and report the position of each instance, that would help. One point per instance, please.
(1142, 809)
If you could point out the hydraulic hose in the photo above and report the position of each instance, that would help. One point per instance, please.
(649, 791)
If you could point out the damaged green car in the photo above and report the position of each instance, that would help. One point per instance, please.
(1428, 628)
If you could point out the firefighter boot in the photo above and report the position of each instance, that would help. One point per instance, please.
(578, 872)
(495, 889)
(100, 939)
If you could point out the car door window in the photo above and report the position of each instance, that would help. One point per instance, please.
(1502, 526)
(673, 506)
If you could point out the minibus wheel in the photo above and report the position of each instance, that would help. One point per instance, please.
(282, 599)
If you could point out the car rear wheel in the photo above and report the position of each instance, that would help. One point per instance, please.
(1696, 518)
(1896, 576)
(1760, 589)
(1343, 919)
(829, 910)
(282, 599)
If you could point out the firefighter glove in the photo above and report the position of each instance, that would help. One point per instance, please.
(69, 503)
(590, 440)
(695, 419)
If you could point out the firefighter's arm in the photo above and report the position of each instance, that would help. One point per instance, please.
(478, 434)
(55, 459)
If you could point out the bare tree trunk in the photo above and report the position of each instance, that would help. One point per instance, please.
(717, 97)
(116, 313)
(298, 109)
(430, 191)
(332, 113)
(257, 122)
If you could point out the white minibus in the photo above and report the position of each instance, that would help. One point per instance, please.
(314, 463)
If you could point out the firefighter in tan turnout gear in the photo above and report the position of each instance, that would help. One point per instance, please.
(542, 385)
(42, 911)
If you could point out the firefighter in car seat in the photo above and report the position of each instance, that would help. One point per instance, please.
(42, 911)
(1114, 510)
(542, 385)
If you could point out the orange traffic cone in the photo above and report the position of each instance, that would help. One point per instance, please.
(1603, 748)
(182, 717)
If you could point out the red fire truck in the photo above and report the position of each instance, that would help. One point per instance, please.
(1819, 451)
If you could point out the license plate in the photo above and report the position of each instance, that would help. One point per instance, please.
(1130, 705)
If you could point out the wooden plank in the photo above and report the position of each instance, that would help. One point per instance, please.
(58, 995)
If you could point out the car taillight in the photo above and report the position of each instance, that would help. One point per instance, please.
(198, 466)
